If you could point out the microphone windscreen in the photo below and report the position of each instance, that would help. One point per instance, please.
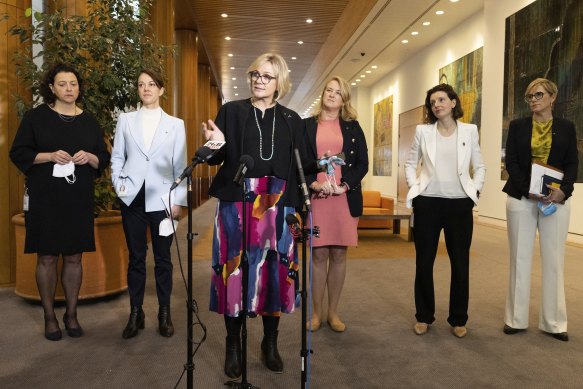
(291, 219)
(203, 153)
(247, 160)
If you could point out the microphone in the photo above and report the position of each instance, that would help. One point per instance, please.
(303, 185)
(202, 155)
(246, 163)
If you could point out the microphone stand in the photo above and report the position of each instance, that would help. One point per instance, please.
(303, 239)
(245, 267)
(189, 366)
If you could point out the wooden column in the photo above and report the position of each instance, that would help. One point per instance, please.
(162, 24)
(203, 105)
(12, 190)
(186, 85)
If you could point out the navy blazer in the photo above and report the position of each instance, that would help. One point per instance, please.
(563, 155)
(356, 158)
(231, 120)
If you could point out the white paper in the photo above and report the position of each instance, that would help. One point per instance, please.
(536, 177)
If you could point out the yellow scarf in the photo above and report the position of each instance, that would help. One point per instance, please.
(542, 138)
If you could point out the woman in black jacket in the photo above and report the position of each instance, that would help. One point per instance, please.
(337, 204)
(265, 133)
(543, 139)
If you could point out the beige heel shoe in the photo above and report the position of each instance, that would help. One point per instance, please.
(337, 325)
(421, 328)
(316, 324)
(460, 332)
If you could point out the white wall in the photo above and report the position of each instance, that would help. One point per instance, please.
(409, 83)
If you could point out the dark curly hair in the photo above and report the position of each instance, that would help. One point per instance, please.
(49, 79)
(457, 111)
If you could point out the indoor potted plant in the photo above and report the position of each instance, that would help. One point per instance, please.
(108, 47)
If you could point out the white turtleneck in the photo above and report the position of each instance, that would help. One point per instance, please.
(150, 120)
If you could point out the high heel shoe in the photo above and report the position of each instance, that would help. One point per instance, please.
(337, 325)
(316, 324)
(73, 332)
(55, 335)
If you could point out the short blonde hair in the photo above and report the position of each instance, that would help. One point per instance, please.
(347, 112)
(547, 85)
(280, 70)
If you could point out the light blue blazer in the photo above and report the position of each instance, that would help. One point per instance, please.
(132, 165)
(468, 156)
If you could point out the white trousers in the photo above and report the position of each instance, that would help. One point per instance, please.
(523, 219)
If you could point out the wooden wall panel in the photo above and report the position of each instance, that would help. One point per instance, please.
(203, 108)
(12, 190)
(162, 23)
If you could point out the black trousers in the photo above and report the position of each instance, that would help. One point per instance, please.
(136, 221)
(454, 216)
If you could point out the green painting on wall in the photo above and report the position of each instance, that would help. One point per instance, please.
(544, 40)
(465, 76)
(383, 137)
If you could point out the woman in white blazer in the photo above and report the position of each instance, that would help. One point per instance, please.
(149, 153)
(443, 195)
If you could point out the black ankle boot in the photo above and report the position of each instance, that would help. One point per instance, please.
(136, 322)
(165, 325)
(233, 356)
(269, 354)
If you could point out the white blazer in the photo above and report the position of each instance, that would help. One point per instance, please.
(159, 167)
(424, 148)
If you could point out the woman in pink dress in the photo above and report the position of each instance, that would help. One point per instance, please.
(337, 199)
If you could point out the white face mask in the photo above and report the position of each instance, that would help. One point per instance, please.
(65, 171)
(166, 228)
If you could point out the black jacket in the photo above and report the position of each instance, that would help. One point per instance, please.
(231, 120)
(356, 158)
(563, 155)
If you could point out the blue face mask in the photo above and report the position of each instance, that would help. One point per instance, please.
(547, 209)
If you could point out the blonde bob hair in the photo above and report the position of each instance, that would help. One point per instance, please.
(280, 70)
(547, 85)
(347, 111)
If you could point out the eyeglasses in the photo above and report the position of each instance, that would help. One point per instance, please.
(534, 97)
(265, 78)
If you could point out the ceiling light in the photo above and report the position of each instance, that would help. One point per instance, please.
(374, 66)
(454, 1)
(234, 78)
(235, 87)
(426, 23)
(354, 83)
(357, 80)
(230, 55)
(301, 42)
(227, 38)
(368, 71)
(309, 20)
(439, 12)
(232, 68)
(362, 76)
(294, 58)
(236, 94)
(224, 15)
(404, 41)
(414, 33)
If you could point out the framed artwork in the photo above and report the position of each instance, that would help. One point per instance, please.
(465, 76)
(544, 40)
(383, 137)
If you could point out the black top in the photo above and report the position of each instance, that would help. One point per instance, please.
(356, 157)
(60, 216)
(563, 155)
(234, 120)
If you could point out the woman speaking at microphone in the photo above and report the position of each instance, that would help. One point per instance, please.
(260, 130)
(149, 153)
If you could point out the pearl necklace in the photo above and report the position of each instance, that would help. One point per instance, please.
(261, 135)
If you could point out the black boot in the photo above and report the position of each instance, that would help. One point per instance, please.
(269, 354)
(233, 356)
(165, 321)
(135, 323)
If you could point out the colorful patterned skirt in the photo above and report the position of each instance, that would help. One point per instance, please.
(273, 263)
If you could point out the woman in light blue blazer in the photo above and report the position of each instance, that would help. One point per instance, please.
(149, 153)
(443, 195)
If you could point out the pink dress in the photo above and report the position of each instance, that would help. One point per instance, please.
(331, 214)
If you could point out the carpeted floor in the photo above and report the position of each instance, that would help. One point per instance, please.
(378, 350)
